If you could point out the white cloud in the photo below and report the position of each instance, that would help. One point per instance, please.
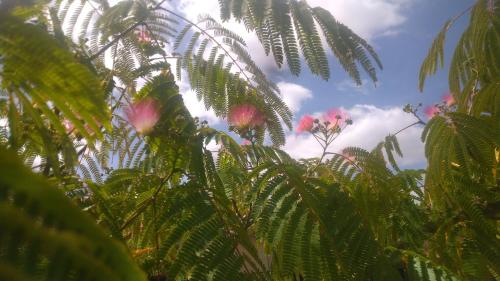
(371, 125)
(294, 95)
(368, 18)
(193, 8)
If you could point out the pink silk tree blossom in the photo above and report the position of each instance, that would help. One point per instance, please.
(335, 116)
(68, 126)
(449, 100)
(245, 116)
(143, 115)
(306, 124)
(432, 111)
(143, 36)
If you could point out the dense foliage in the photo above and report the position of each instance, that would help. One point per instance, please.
(104, 174)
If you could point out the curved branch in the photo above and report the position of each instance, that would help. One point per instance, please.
(455, 18)
(211, 38)
(409, 126)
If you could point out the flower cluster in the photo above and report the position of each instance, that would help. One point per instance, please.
(143, 36)
(243, 119)
(336, 117)
(326, 128)
(333, 119)
(432, 111)
(447, 101)
(143, 115)
(246, 116)
(306, 124)
(68, 126)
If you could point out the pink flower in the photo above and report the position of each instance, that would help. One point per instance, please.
(432, 111)
(246, 142)
(143, 36)
(306, 124)
(245, 116)
(448, 99)
(68, 125)
(335, 116)
(143, 115)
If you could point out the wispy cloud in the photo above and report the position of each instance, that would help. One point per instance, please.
(368, 18)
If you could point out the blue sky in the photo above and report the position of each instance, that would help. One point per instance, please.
(401, 55)
(401, 31)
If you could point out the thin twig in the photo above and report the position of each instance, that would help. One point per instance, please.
(409, 126)
(242, 70)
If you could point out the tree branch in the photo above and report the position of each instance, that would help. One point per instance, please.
(242, 70)
(409, 126)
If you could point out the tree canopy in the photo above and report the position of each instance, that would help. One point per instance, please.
(105, 175)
